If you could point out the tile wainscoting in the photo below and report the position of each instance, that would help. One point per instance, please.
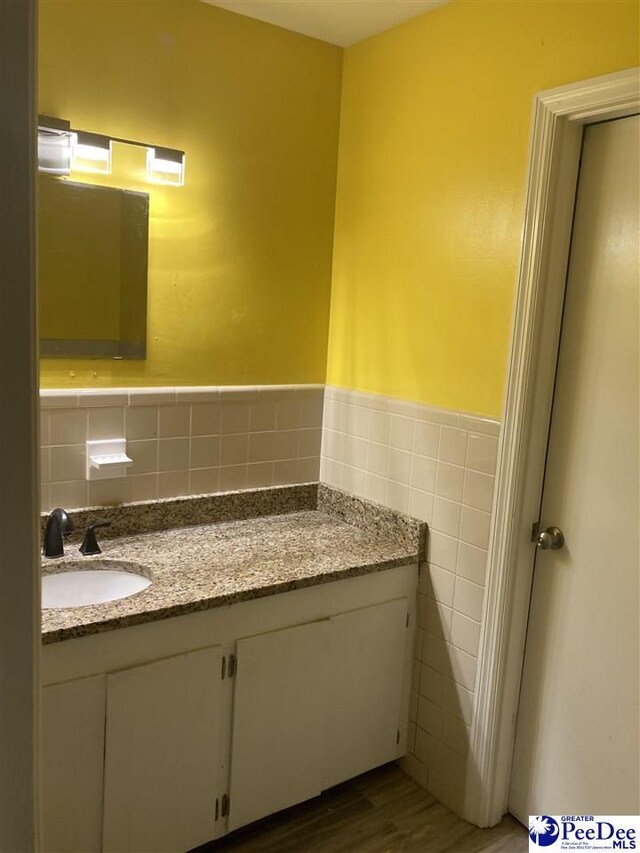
(434, 464)
(183, 441)
(439, 466)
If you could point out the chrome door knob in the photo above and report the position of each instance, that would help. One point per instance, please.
(551, 539)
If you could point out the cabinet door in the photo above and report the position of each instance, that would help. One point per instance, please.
(72, 765)
(280, 701)
(367, 650)
(162, 758)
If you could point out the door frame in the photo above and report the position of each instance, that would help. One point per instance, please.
(19, 493)
(559, 117)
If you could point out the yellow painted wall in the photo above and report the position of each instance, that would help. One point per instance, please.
(433, 150)
(240, 257)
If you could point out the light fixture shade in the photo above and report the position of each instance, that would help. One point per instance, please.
(91, 152)
(165, 166)
(54, 146)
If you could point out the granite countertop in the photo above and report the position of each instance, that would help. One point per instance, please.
(201, 566)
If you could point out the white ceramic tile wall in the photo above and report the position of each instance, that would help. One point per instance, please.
(434, 464)
(183, 441)
(437, 465)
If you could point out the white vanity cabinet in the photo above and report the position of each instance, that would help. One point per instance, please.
(131, 760)
(367, 683)
(162, 754)
(314, 705)
(72, 765)
(168, 734)
(279, 711)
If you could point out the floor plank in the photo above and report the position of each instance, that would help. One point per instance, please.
(383, 811)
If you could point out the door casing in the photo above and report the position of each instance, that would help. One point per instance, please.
(559, 117)
(19, 494)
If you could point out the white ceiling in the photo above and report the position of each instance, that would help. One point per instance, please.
(341, 22)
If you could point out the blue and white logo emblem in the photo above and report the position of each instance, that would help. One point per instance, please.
(543, 830)
(583, 832)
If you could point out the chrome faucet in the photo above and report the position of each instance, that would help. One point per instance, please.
(58, 523)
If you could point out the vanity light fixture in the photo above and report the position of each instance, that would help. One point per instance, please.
(61, 148)
(91, 152)
(54, 145)
(165, 166)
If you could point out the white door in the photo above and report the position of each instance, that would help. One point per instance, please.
(72, 765)
(279, 712)
(366, 677)
(577, 735)
(162, 755)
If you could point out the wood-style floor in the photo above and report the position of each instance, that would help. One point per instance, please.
(383, 811)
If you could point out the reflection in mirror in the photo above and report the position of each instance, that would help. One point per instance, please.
(92, 270)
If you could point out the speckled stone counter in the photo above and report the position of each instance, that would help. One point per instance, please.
(311, 536)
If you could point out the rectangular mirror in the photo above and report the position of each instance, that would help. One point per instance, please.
(92, 270)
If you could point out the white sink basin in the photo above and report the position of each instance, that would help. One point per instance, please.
(92, 582)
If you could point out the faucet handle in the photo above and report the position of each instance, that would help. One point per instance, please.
(90, 543)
